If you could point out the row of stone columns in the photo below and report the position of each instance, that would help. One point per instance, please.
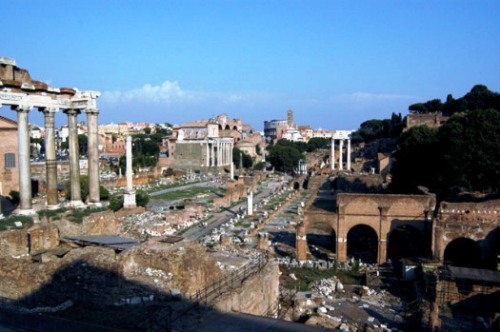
(25, 190)
(219, 153)
(333, 157)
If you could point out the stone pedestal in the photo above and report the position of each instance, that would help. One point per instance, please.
(129, 200)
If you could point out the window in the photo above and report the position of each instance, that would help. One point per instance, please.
(10, 160)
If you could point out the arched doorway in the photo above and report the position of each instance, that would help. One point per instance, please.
(406, 241)
(296, 186)
(362, 243)
(322, 241)
(463, 252)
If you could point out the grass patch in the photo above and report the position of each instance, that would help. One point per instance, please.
(9, 222)
(186, 193)
(306, 276)
(77, 215)
(51, 213)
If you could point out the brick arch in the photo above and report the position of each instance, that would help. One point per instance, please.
(380, 212)
(462, 251)
(372, 230)
(303, 227)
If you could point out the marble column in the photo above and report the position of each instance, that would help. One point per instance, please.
(74, 158)
(128, 171)
(250, 202)
(212, 160)
(333, 154)
(207, 155)
(50, 157)
(93, 156)
(25, 206)
(129, 201)
(349, 155)
(341, 152)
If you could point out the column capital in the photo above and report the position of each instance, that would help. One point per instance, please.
(22, 108)
(48, 110)
(72, 111)
(92, 111)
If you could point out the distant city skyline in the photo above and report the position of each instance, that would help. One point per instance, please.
(335, 63)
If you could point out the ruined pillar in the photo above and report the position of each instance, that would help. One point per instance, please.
(301, 242)
(212, 159)
(332, 157)
(129, 195)
(207, 154)
(349, 155)
(341, 151)
(50, 157)
(250, 202)
(93, 156)
(25, 207)
(231, 173)
(74, 158)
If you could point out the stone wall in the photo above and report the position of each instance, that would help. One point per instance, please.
(43, 238)
(14, 243)
(256, 295)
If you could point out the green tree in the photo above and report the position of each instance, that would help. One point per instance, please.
(470, 148)
(416, 161)
(285, 158)
(318, 143)
(247, 160)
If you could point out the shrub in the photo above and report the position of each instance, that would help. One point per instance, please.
(103, 193)
(141, 198)
(115, 202)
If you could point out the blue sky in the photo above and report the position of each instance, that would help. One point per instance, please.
(335, 63)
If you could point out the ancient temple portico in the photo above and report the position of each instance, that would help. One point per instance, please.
(341, 136)
(23, 94)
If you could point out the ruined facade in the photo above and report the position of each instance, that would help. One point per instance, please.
(23, 94)
(381, 213)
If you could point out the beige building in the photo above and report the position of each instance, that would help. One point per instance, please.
(9, 175)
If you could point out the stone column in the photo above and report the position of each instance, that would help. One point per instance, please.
(250, 202)
(301, 242)
(333, 153)
(231, 173)
(207, 155)
(74, 158)
(349, 155)
(50, 158)
(212, 160)
(226, 153)
(93, 156)
(25, 207)
(341, 151)
(129, 196)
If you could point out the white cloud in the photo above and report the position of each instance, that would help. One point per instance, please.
(165, 93)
